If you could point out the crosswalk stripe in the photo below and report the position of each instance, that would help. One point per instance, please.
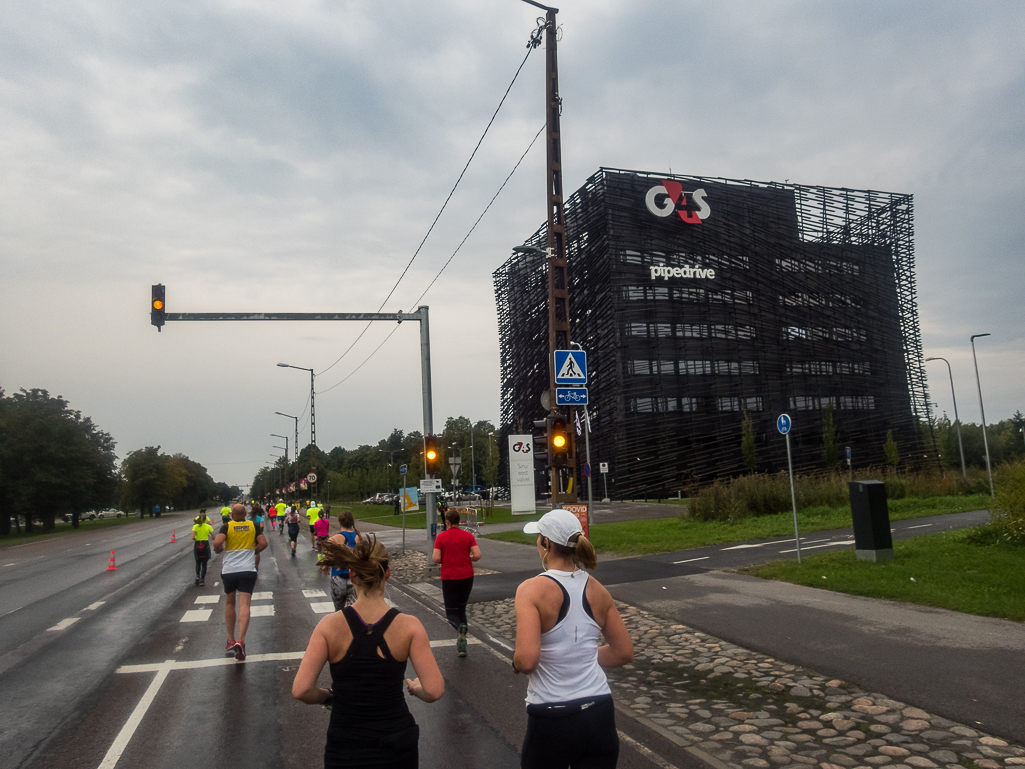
(207, 598)
(266, 595)
(323, 607)
(196, 615)
(314, 594)
(263, 610)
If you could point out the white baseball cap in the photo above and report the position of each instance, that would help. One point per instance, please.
(558, 526)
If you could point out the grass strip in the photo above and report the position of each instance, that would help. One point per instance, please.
(942, 570)
(662, 535)
(65, 528)
(416, 520)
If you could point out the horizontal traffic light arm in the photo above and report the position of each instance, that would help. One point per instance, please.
(397, 316)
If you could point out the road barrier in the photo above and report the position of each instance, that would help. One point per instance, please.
(111, 566)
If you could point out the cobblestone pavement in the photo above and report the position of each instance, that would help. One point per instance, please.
(410, 566)
(755, 712)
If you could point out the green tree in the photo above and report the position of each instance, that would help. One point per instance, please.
(890, 450)
(747, 443)
(148, 480)
(52, 461)
(830, 439)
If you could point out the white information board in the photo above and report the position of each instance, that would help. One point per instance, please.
(521, 474)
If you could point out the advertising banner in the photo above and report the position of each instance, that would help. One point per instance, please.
(521, 475)
(410, 499)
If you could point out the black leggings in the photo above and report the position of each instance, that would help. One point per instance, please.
(455, 593)
(202, 556)
(580, 739)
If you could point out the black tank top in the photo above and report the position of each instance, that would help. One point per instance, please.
(370, 720)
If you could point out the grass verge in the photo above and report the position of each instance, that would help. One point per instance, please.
(944, 570)
(666, 534)
(65, 528)
(416, 520)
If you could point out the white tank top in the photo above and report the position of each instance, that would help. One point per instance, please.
(568, 669)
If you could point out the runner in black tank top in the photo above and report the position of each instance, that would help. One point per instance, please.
(374, 726)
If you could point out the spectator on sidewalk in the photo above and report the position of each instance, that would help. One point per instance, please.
(559, 616)
(456, 550)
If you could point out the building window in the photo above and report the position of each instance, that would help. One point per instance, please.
(743, 403)
(639, 367)
(840, 402)
(818, 266)
(826, 368)
(829, 334)
(690, 367)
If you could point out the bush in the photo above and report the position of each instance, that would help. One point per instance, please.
(716, 503)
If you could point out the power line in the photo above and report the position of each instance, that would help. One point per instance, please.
(530, 47)
(446, 264)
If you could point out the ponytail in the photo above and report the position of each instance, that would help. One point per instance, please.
(582, 553)
(367, 562)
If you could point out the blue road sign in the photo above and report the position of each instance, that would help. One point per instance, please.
(848, 453)
(571, 396)
(570, 367)
(783, 424)
(402, 469)
(587, 469)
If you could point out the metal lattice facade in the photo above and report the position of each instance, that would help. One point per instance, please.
(698, 299)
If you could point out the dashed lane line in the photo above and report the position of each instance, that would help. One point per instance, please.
(691, 560)
(920, 526)
(64, 623)
(94, 606)
(814, 547)
(125, 735)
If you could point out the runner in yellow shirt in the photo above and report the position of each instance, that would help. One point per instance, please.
(313, 514)
(242, 540)
(201, 532)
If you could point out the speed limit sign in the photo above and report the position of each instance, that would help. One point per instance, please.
(311, 478)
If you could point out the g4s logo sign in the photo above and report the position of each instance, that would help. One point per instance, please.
(663, 199)
(521, 448)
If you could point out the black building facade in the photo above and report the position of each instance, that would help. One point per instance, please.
(700, 299)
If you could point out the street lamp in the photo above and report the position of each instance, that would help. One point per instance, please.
(957, 422)
(391, 456)
(295, 480)
(275, 435)
(985, 441)
(313, 415)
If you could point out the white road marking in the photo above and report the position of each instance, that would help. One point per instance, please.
(155, 667)
(648, 753)
(9, 564)
(266, 595)
(814, 547)
(314, 594)
(691, 560)
(323, 607)
(452, 642)
(94, 606)
(263, 610)
(196, 615)
(920, 526)
(762, 544)
(63, 624)
(125, 735)
(501, 643)
(207, 598)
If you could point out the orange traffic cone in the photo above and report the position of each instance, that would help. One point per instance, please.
(173, 540)
(111, 566)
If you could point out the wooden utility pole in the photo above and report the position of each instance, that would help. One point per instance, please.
(564, 486)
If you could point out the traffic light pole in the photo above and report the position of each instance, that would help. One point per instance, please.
(159, 316)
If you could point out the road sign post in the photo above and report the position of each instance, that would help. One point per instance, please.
(402, 501)
(783, 424)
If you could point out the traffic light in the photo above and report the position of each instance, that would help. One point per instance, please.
(432, 457)
(558, 439)
(157, 309)
(541, 446)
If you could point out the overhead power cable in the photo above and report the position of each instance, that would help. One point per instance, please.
(530, 47)
(446, 264)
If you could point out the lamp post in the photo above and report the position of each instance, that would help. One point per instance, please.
(391, 456)
(957, 421)
(275, 435)
(295, 479)
(985, 441)
(313, 417)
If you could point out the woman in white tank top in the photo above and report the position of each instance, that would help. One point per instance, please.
(559, 616)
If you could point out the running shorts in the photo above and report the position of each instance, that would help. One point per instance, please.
(242, 581)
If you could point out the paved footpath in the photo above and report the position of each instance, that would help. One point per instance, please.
(731, 706)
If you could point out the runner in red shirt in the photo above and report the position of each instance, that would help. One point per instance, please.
(456, 550)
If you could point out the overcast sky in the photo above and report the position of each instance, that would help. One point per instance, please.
(256, 155)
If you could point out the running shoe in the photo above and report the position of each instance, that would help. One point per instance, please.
(202, 583)
(229, 650)
(197, 581)
(461, 642)
(240, 651)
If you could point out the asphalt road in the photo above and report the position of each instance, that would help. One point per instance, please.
(101, 669)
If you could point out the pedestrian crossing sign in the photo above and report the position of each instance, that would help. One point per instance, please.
(571, 367)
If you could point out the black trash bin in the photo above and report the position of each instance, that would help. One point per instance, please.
(872, 540)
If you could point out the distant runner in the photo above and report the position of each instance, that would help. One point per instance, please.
(342, 592)
(292, 519)
(242, 540)
(225, 514)
(322, 530)
(201, 532)
(313, 514)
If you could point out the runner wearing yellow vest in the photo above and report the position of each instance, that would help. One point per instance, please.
(240, 541)
(313, 514)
